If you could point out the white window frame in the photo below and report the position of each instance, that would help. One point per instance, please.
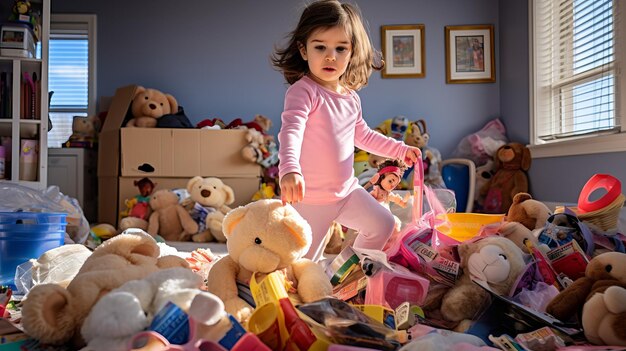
(69, 22)
(588, 144)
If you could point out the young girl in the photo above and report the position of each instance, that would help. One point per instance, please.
(328, 58)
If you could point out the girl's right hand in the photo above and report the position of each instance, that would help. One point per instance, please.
(291, 188)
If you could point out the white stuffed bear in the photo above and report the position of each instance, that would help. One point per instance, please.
(210, 197)
(129, 309)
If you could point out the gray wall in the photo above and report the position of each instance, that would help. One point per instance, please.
(213, 56)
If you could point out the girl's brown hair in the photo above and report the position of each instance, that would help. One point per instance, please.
(325, 14)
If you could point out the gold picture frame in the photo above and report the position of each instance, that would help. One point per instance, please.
(470, 54)
(403, 51)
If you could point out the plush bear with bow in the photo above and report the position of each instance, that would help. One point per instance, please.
(210, 197)
(54, 315)
(149, 105)
(266, 236)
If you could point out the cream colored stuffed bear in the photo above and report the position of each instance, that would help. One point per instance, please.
(169, 219)
(210, 197)
(54, 315)
(150, 104)
(265, 236)
(492, 259)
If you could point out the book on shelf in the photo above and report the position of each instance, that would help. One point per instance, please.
(29, 96)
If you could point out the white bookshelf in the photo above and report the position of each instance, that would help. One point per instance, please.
(15, 125)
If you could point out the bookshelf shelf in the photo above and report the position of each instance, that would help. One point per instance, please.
(24, 110)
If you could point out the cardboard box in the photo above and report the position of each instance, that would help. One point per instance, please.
(184, 153)
(170, 157)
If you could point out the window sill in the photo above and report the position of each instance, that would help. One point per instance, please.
(582, 146)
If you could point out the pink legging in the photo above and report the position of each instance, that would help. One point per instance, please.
(358, 211)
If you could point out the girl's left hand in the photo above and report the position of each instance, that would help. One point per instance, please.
(412, 155)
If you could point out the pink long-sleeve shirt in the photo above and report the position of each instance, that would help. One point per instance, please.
(319, 131)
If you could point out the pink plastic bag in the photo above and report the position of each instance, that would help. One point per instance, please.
(411, 248)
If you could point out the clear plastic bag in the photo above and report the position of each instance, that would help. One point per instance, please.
(347, 325)
(16, 198)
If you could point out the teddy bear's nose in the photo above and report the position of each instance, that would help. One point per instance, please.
(205, 193)
(152, 106)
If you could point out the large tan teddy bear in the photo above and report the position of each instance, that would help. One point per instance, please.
(265, 236)
(54, 315)
(169, 219)
(210, 197)
(149, 105)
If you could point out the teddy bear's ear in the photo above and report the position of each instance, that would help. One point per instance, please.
(466, 249)
(47, 314)
(233, 218)
(298, 227)
(299, 232)
(192, 182)
(139, 90)
(173, 103)
(526, 158)
(230, 194)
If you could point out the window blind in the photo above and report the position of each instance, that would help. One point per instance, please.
(68, 76)
(575, 68)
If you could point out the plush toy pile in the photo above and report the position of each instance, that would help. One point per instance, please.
(535, 278)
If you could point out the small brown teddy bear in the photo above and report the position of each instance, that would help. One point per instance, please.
(169, 219)
(605, 270)
(210, 197)
(531, 213)
(512, 160)
(150, 104)
(85, 129)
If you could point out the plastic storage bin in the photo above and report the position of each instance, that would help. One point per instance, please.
(25, 236)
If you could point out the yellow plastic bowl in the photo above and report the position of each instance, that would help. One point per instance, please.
(462, 226)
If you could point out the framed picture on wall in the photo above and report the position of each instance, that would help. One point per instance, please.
(403, 51)
(470, 54)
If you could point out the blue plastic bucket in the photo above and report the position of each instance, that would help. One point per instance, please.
(22, 242)
(32, 218)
